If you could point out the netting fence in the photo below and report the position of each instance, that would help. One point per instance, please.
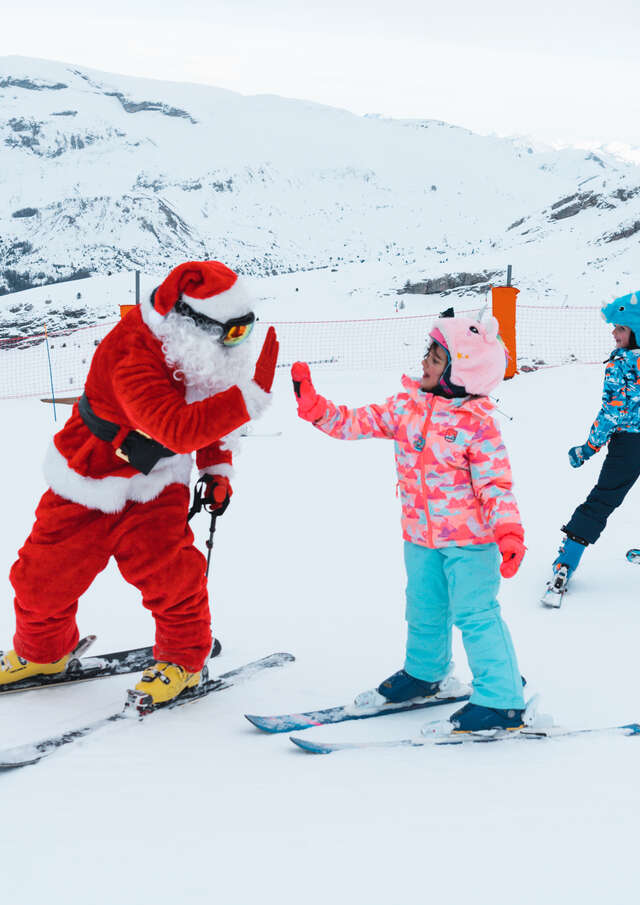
(546, 336)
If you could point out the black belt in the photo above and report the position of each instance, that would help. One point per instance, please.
(139, 450)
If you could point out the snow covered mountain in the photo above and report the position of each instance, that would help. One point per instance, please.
(101, 173)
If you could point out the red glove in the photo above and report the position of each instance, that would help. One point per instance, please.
(511, 546)
(266, 364)
(216, 491)
(311, 407)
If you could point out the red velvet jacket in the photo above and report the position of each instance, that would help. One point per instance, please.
(129, 383)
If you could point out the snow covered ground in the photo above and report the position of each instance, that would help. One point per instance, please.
(196, 806)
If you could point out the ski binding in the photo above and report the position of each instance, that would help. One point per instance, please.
(556, 589)
(85, 669)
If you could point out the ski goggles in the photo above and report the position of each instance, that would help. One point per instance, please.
(229, 333)
(236, 330)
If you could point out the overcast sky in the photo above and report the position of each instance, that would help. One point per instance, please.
(566, 70)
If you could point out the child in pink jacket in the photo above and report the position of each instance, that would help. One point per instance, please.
(459, 516)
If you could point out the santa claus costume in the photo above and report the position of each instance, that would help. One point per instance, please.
(176, 375)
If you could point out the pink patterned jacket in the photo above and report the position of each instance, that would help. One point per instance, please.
(454, 475)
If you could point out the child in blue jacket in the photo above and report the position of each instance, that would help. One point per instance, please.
(618, 425)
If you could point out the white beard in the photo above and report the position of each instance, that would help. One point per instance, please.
(197, 358)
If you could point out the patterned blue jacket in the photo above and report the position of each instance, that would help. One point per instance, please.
(620, 409)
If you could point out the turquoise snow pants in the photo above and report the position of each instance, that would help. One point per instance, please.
(458, 586)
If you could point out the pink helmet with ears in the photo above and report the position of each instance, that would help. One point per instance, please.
(478, 358)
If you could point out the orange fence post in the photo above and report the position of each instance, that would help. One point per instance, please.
(503, 306)
(125, 309)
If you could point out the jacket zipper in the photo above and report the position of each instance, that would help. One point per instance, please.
(425, 430)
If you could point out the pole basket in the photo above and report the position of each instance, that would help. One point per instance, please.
(503, 307)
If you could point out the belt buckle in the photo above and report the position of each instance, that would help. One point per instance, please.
(121, 454)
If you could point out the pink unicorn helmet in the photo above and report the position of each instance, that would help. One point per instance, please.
(477, 355)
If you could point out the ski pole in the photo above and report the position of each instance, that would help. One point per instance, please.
(209, 542)
(198, 504)
(212, 527)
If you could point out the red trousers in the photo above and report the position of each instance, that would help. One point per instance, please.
(153, 547)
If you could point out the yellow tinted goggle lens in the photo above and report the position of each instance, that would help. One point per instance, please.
(237, 334)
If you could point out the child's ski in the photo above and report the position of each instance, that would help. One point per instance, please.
(84, 669)
(23, 755)
(288, 722)
(494, 735)
(633, 555)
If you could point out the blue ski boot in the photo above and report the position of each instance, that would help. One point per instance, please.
(475, 718)
(402, 687)
(569, 555)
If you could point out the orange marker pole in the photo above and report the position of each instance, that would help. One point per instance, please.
(125, 309)
(503, 306)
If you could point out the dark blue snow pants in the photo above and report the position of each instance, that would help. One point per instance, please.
(620, 471)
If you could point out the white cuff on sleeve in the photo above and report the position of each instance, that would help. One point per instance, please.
(222, 468)
(255, 399)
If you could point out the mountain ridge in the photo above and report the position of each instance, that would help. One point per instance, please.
(104, 173)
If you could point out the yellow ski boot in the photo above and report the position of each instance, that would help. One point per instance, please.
(14, 668)
(161, 683)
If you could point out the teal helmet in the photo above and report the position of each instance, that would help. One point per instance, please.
(624, 311)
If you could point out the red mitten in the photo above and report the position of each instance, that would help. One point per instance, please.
(311, 407)
(266, 364)
(216, 491)
(512, 550)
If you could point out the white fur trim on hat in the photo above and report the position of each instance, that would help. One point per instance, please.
(233, 302)
(149, 315)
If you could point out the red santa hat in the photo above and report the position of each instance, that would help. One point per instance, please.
(209, 287)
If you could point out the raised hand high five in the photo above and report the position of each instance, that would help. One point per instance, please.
(311, 406)
(266, 364)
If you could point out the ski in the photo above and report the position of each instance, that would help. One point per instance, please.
(633, 555)
(556, 589)
(24, 755)
(85, 669)
(289, 722)
(494, 735)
